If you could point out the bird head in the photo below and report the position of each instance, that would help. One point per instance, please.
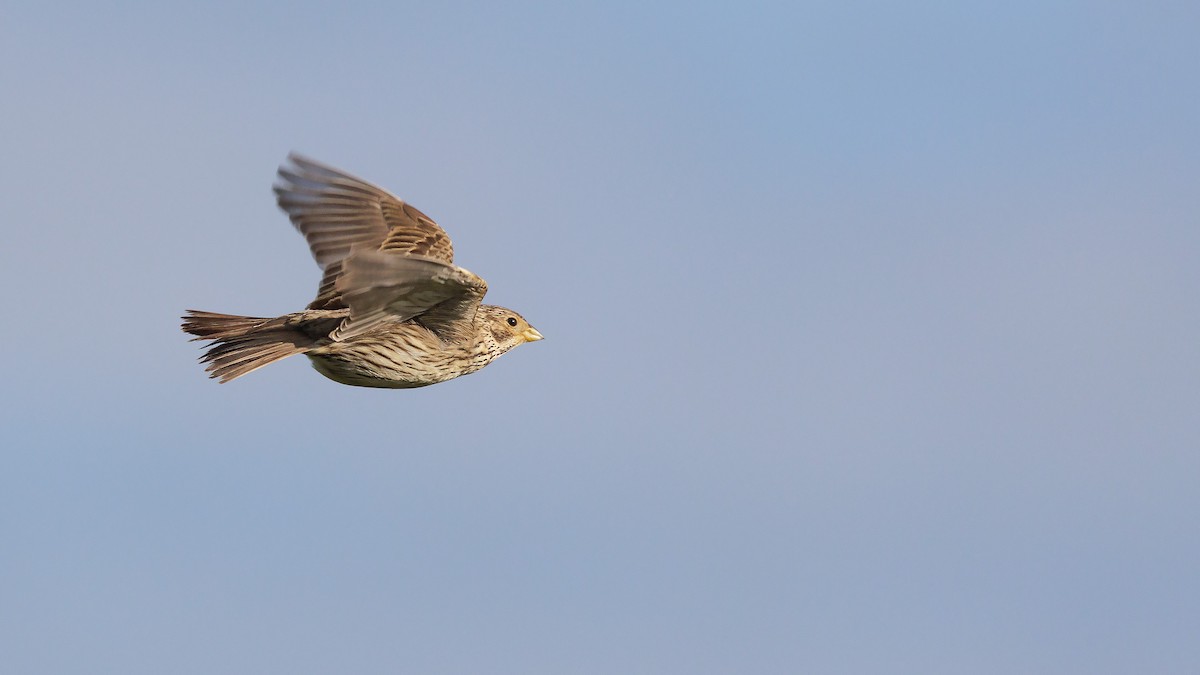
(506, 328)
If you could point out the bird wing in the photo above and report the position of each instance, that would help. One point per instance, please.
(337, 212)
(379, 287)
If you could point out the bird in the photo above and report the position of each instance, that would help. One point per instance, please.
(392, 309)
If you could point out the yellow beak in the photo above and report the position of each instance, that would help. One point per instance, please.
(531, 334)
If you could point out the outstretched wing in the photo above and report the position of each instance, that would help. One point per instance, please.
(379, 287)
(337, 212)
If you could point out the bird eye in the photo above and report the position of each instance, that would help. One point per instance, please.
(512, 321)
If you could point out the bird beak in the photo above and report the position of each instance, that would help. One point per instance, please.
(531, 334)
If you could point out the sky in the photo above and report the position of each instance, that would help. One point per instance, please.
(871, 340)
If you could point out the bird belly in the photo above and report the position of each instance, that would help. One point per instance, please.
(393, 361)
(339, 371)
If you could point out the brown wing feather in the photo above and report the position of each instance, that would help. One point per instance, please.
(337, 212)
(380, 288)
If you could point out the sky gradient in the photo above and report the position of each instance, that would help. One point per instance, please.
(871, 340)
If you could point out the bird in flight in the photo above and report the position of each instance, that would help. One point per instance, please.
(392, 310)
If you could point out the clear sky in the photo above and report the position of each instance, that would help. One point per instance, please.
(871, 340)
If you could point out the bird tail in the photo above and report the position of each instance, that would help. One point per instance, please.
(241, 344)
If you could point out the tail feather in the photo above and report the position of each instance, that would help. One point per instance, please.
(242, 344)
(214, 326)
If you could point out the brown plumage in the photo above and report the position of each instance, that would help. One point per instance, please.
(392, 309)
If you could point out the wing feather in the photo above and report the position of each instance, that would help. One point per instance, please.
(338, 213)
(380, 287)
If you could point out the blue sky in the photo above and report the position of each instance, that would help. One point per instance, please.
(871, 340)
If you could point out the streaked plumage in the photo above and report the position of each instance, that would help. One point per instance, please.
(392, 309)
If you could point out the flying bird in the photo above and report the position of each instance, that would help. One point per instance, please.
(392, 310)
